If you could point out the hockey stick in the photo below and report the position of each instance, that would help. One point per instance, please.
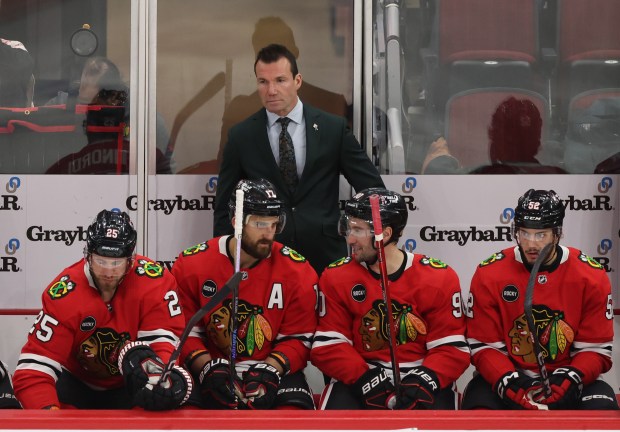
(529, 316)
(235, 298)
(232, 285)
(378, 228)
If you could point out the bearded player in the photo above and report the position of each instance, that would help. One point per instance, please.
(572, 313)
(108, 325)
(276, 314)
(351, 343)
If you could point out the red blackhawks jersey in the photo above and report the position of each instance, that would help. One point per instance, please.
(276, 306)
(572, 313)
(428, 320)
(77, 331)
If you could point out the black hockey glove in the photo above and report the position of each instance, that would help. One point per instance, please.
(142, 368)
(517, 391)
(214, 379)
(260, 386)
(566, 386)
(7, 397)
(418, 389)
(375, 390)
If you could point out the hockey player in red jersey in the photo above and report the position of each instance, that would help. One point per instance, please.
(276, 315)
(108, 324)
(572, 312)
(351, 344)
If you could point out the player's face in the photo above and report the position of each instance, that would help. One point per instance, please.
(372, 340)
(532, 241)
(277, 87)
(107, 272)
(520, 344)
(360, 239)
(258, 235)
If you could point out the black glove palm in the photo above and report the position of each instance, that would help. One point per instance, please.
(260, 385)
(418, 389)
(566, 386)
(374, 389)
(517, 391)
(214, 379)
(142, 368)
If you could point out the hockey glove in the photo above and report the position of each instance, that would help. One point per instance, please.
(7, 396)
(517, 390)
(418, 389)
(214, 379)
(260, 385)
(142, 368)
(375, 390)
(566, 386)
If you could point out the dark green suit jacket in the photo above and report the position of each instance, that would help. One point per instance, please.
(313, 209)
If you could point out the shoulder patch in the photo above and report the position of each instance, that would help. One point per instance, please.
(292, 254)
(150, 269)
(340, 262)
(433, 262)
(590, 261)
(61, 287)
(200, 247)
(493, 258)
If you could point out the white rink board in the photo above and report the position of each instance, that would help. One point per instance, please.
(181, 215)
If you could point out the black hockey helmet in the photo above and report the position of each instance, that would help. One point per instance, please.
(539, 209)
(260, 198)
(392, 209)
(111, 235)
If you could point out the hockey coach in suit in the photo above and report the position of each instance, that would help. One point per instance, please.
(302, 151)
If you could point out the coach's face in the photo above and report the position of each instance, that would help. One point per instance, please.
(277, 87)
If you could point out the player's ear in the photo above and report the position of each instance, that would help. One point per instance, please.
(387, 234)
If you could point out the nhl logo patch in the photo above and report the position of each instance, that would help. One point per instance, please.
(358, 293)
(542, 279)
(209, 288)
(510, 293)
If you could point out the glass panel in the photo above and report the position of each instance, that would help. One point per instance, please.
(205, 72)
(64, 92)
(497, 86)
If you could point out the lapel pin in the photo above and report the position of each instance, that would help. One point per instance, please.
(315, 126)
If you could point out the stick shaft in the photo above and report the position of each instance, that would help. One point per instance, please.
(529, 316)
(378, 229)
(235, 299)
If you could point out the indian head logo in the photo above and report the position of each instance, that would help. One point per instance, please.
(252, 328)
(374, 326)
(554, 334)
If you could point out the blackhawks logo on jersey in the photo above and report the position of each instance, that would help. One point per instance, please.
(201, 247)
(493, 258)
(61, 288)
(149, 268)
(292, 254)
(374, 325)
(433, 262)
(252, 328)
(339, 262)
(98, 354)
(590, 261)
(554, 334)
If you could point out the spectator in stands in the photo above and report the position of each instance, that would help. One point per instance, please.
(317, 147)
(108, 324)
(16, 75)
(101, 84)
(352, 343)
(572, 313)
(514, 141)
(7, 396)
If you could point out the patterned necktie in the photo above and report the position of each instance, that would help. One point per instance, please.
(288, 166)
